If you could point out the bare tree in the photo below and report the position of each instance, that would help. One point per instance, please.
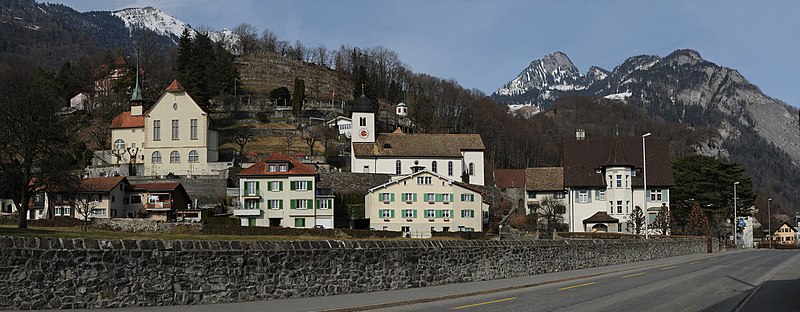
(550, 215)
(35, 144)
(269, 41)
(248, 37)
(242, 136)
(321, 55)
(663, 220)
(636, 221)
(289, 141)
(83, 204)
(311, 135)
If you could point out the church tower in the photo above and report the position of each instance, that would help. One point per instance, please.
(363, 130)
(136, 96)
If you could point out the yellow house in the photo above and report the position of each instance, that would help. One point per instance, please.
(174, 136)
(786, 234)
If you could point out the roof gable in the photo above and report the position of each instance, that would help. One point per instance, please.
(295, 167)
(101, 184)
(175, 94)
(125, 120)
(583, 158)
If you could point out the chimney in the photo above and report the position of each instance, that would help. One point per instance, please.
(580, 135)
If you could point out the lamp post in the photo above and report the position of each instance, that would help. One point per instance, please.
(735, 223)
(644, 179)
(769, 221)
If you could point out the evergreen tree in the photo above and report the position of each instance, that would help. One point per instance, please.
(697, 225)
(663, 220)
(299, 96)
(635, 223)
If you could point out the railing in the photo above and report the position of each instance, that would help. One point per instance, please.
(159, 205)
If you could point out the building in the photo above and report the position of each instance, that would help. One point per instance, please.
(174, 137)
(535, 190)
(343, 124)
(94, 198)
(455, 156)
(605, 175)
(157, 201)
(282, 191)
(423, 202)
(786, 234)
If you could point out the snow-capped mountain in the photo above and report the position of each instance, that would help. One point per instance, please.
(163, 24)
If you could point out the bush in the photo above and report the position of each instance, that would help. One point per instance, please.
(262, 117)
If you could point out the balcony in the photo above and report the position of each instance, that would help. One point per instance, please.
(250, 194)
(158, 206)
(247, 212)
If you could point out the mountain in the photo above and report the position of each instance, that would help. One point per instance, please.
(751, 128)
(48, 34)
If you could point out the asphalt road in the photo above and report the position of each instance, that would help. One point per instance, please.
(703, 282)
(718, 283)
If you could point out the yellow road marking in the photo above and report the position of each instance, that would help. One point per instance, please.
(695, 262)
(669, 267)
(483, 303)
(576, 286)
(632, 275)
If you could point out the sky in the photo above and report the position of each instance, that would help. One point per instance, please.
(484, 44)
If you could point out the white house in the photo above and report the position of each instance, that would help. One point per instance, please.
(174, 136)
(343, 124)
(282, 191)
(451, 155)
(605, 175)
(422, 202)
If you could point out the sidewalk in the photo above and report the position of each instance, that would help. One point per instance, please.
(779, 292)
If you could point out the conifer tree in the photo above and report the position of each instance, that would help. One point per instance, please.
(697, 224)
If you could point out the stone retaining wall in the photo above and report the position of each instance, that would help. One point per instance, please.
(40, 273)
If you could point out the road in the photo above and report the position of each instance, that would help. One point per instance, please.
(705, 282)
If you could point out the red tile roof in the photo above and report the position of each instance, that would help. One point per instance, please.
(176, 188)
(544, 179)
(419, 145)
(295, 167)
(175, 86)
(103, 184)
(507, 178)
(125, 120)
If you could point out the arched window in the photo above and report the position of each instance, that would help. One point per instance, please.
(156, 158)
(450, 168)
(434, 167)
(398, 167)
(194, 157)
(119, 144)
(471, 168)
(174, 157)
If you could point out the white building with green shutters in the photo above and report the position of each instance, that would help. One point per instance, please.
(281, 191)
(424, 201)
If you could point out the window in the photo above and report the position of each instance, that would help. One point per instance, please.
(251, 221)
(251, 204)
(583, 196)
(408, 213)
(627, 205)
(560, 195)
(119, 144)
(174, 157)
(136, 199)
(272, 168)
(156, 130)
(449, 168)
(175, 129)
(299, 222)
(301, 185)
(156, 158)
(531, 194)
(126, 200)
(405, 229)
(113, 198)
(250, 188)
(601, 194)
(323, 204)
(430, 213)
(430, 197)
(424, 181)
(301, 204)
(274, 203)
(471, 169)
(362, 121)
(446, 198)
(193, 129)
(275, 186)
(398, 167)
(194, 157)
(619, 206)
(386, 213)
(366, 169)
(627, 177)
(408, 197)
(434, 166)
(655, 195)
(99, 212)
(282, 168)
(467, 213)
(445, 213)
(619, 181)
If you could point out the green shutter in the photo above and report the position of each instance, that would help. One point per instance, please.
(280, 203)
(310, 185)
(415, 197)
(292, 185)
(391, 213)
(269, 186)
(438, 197)
(438, 213)
(280, 185)
(330, 204)
(414, 212)
(310, 204)
(292, 204)
(258, 188)
(316, 204)
(258, 204)
(665, 195)
(391, 197)
(451, 214)
(452, 197)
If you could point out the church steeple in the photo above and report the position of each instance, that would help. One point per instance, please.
(136, 96)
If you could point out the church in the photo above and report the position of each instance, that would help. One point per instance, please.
(454, 156)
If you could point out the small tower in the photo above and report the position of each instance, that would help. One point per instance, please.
(401, 109)
(363, 130)
(136, 96)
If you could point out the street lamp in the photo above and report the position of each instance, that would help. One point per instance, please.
(769, 221)
(644, 178)
(735, 223)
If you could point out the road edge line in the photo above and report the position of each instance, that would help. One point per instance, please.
(747, 298)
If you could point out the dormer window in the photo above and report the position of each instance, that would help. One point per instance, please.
(283, 168)
(271, 168)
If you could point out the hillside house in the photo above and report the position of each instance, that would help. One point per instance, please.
(423, 202)
(282, 191)
(785, 234)
(454, 156)
(343, 124)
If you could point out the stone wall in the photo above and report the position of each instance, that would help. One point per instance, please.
(40, 273)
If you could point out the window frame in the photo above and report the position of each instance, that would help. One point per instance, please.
(193, 129)
(155, 157)
(156, 130)
(194, 156)
(174, 157)
(176, 133)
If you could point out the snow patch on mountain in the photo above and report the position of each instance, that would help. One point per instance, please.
(619, 96)
(153, 19)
